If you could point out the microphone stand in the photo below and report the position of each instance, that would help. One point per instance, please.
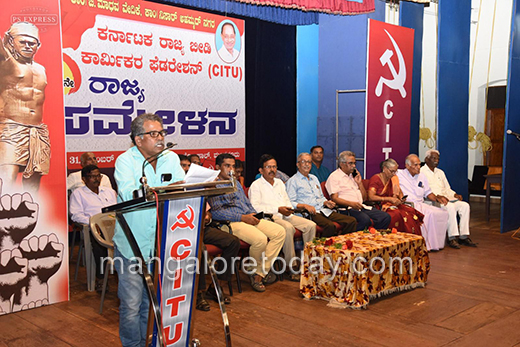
(149, 160)
(517, 135)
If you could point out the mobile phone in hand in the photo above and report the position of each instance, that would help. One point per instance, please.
(354, 173)
(404, 197)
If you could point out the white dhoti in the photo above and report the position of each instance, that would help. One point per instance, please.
(435, 225)
(462, 209)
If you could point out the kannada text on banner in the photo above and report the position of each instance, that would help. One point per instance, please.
(122, 59)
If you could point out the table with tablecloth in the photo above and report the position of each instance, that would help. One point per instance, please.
(376, 264)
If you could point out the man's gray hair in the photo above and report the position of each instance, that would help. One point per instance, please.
(83, 158)
(389, 163)
(137, 126)
(301, 155)
(344, 155)
(430, 152)
(409, 157)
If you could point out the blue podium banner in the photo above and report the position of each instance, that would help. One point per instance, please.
(179, 256)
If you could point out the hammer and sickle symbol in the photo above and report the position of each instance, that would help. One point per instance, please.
(183, 221)
(399, 78)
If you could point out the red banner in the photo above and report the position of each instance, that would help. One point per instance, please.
(343, 7)
(33, 210)
(389, 94)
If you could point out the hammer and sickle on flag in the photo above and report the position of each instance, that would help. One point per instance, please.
(399, 78)
(183, 220)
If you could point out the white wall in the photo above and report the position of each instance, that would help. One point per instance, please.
(497, 67)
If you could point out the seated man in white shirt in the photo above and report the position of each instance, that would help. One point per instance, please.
(74, 180)
(345, 186)
(88, 200)
(267, 194)
(453, 201)
(415, 187)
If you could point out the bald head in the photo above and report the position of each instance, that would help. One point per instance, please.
(88, 158)
(413, 164)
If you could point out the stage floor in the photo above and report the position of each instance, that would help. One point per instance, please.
(472, 298)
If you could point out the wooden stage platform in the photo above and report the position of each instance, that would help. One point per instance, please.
(472, 299)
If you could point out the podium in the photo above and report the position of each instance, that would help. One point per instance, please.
(173, 287)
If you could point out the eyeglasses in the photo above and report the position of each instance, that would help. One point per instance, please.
(94, 176)
(351, 163)
(269, 167)
(155, 133)
(305, 162)
(392, 171)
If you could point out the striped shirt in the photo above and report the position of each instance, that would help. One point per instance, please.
(230, 207)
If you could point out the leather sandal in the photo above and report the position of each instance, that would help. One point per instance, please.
(292, 277)
(257, 286)
(202, 304)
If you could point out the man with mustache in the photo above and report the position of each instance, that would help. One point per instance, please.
(87, 201)
(147, 134)
(452, 202)
(228, 52)
(267, 194)
(75, 180)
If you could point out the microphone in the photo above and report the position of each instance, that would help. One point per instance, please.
(510, 132)
(150, 160)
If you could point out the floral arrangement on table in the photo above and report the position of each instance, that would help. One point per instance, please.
(348, 244)
(331, 242)
(383, 232)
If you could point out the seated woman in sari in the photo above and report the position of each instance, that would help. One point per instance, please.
(384, 187)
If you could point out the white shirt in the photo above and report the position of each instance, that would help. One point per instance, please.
(344, 185)
(84, 203)
(438, 182)
(226, 56)
(74, 181)
(267, 198)
(416, 187)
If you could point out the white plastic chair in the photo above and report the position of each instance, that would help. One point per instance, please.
(102, 227)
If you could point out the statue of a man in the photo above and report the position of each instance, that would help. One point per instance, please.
(24, 139)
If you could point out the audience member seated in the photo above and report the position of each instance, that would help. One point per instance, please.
(88, 200)
(384, 187)
(305, 192)
(194, 159)
(319, 170)
(415, 185)
(239, 173)
(345, 186)
(230, 245)
(268, 195)
(266, 238)
(452, 202)
(185, 162)
(74, 180)
(279, 174)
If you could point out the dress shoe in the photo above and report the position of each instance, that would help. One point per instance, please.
(99, 285)
(453, 244)
(467, 242)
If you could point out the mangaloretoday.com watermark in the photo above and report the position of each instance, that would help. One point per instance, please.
(340, 266)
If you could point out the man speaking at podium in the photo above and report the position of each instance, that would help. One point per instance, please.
(161, 169)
